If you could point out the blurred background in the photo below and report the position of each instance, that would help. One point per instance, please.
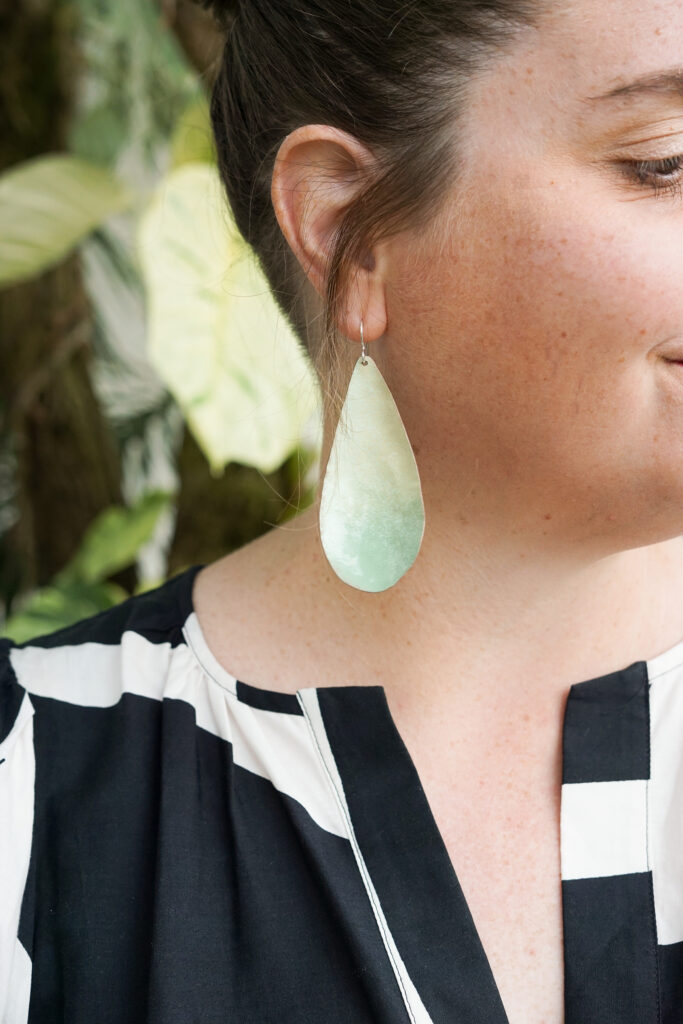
(156, 411)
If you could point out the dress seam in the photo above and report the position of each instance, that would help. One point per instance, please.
(200, 664)
(364, 873)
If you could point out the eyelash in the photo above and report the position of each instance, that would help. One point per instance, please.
(645, 173)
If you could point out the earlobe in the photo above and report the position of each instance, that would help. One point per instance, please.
(317, 173)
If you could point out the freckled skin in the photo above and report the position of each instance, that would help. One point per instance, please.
(531, 335)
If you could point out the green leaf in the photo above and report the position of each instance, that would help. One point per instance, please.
(47, 206)
(54, 607)
(215, 334)
(113, 540)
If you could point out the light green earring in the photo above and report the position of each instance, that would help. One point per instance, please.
(371, 512)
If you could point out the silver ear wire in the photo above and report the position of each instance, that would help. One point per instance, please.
(363, 350)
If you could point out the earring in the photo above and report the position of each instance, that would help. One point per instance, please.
(371, 512)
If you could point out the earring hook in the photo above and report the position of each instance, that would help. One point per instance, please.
(363, 350)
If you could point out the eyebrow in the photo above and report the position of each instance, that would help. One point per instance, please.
(667, 82)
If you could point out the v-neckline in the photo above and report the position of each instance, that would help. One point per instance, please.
(609, 931)
(401, 843)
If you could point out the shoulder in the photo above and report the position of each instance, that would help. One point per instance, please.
(158, 614)
(92, 661)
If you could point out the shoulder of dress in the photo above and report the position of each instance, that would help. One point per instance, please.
(94, 660)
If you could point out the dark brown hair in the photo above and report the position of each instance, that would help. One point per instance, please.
(392, 73)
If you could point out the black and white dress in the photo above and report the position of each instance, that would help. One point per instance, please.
(179, 847)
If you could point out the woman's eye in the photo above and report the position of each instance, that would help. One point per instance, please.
(663, 176)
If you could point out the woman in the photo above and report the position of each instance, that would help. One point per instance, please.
(259, 794)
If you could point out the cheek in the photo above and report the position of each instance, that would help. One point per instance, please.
(545, 320)
(567, 301)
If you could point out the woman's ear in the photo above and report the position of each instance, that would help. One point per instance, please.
(317, 173)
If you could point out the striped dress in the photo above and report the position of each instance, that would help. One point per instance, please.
(179, 847)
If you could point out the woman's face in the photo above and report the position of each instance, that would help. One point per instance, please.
(539, 329)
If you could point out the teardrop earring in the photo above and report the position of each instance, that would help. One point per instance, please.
(371, 512)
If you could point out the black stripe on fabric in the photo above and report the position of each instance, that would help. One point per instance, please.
(172, 885)
(157, 615)
(610, 935)
(268, 700)
(671, 982)
(11, 693)
(407, 859)
(610, 958)
(606, 735)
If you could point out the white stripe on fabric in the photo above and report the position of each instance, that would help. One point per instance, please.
(308, 699)
(666, 662)
(271, 744)
(603, 828)
(17, 804)
(666, 795)
(19, 987)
